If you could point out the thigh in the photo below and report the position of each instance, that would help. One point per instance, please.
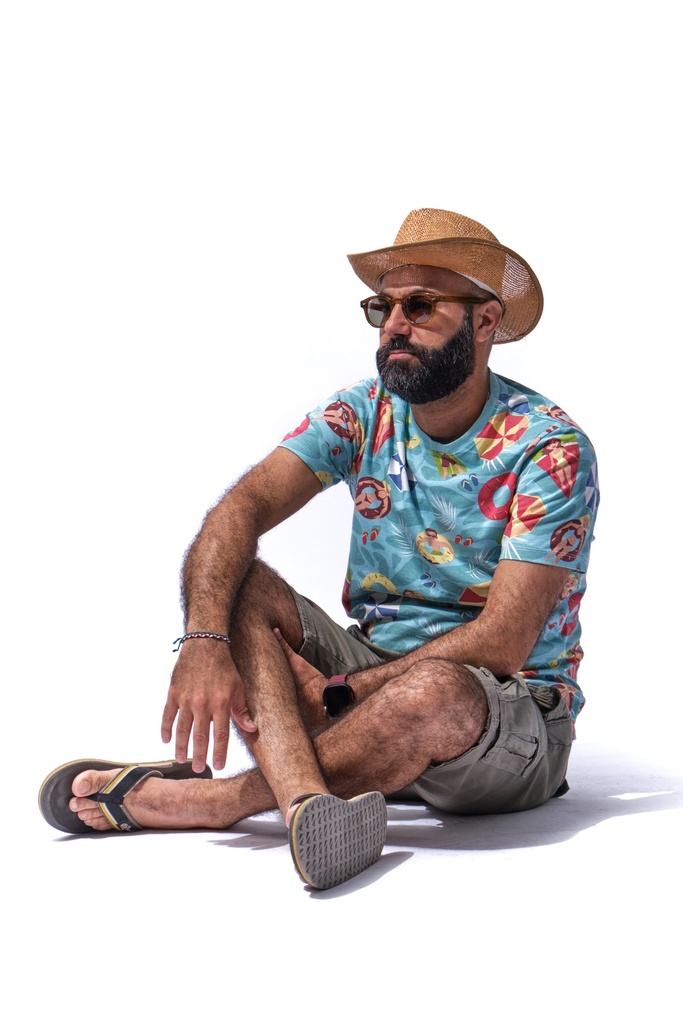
(331, 648)
(519, 762)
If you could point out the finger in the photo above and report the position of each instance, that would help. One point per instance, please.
(167, 720)
(221, 735)
(298, 666)
(283, 643)
(293, 658)
(240, 712)
(200, 743)
(182, 735)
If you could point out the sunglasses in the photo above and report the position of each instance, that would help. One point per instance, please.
(417, 308)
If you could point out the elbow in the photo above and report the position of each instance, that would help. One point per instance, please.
(507, 662)
(508, 667)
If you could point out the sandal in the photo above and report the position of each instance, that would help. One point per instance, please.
(331, 839)
(55, 792)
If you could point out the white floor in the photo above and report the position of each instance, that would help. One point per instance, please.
(571, 911)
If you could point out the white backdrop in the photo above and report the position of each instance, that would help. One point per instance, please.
(181, 184)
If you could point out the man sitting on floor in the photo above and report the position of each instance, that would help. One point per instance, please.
(474, 505)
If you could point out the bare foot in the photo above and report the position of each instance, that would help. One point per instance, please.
(163, 803)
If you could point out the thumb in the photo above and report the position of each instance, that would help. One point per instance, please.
(240, 712)
(242, 717)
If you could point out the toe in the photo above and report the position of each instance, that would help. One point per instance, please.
(90, 782)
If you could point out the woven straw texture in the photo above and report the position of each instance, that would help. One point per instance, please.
(439, 238)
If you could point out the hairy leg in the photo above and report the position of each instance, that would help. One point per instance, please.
(177, 804)
(433, 712)
(282, 746)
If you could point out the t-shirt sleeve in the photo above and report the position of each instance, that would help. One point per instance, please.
(555, 501)
(331, 438)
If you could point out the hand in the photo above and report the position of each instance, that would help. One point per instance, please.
(309, 683)
(205, 688)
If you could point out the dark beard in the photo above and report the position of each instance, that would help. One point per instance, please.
(440, 372)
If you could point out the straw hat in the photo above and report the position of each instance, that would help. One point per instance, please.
(439, 238)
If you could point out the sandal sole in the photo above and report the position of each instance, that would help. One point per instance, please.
(332, 840)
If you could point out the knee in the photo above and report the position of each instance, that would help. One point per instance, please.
(439, 677)
(442, 700)
(259, 591)
(444, 685)
(264, 601)
(436, 683)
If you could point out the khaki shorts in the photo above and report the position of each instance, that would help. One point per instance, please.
(521, 758)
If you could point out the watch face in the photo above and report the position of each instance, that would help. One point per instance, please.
(336, 697)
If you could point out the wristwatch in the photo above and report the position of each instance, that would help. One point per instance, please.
(337, 695)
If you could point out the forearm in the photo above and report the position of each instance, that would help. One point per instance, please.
(464, 645)
(501, 638)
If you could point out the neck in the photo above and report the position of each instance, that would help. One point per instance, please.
(451, 417)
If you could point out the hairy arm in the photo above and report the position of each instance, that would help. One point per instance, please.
(521, 597)
(225, 547)
(205, 686)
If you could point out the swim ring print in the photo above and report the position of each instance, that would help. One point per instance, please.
(495, 496)
(434, 547)
(376, 581)
(372, 498)
(568, 540)
(341, 418)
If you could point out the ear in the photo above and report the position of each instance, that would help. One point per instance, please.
(485, 319)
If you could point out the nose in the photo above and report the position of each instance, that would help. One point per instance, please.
(396, 322)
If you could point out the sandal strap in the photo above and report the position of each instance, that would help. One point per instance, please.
(304, 796)
(110, 798)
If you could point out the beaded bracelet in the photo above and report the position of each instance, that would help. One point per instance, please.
(198, 636)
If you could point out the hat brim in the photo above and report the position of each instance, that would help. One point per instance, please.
(497, 267)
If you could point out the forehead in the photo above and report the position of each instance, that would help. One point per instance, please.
(435, 279)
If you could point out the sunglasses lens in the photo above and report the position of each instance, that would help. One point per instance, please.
(377, 311)
(418, 309)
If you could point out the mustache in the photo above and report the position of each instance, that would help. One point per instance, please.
(398, 343)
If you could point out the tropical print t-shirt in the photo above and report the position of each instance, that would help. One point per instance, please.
(431, 521)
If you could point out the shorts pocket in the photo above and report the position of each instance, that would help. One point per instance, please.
(514, 753)
(559, 726)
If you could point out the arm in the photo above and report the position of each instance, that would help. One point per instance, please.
(521, 597)
(205, 685)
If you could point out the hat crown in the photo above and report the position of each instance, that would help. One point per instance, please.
(427, 224)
